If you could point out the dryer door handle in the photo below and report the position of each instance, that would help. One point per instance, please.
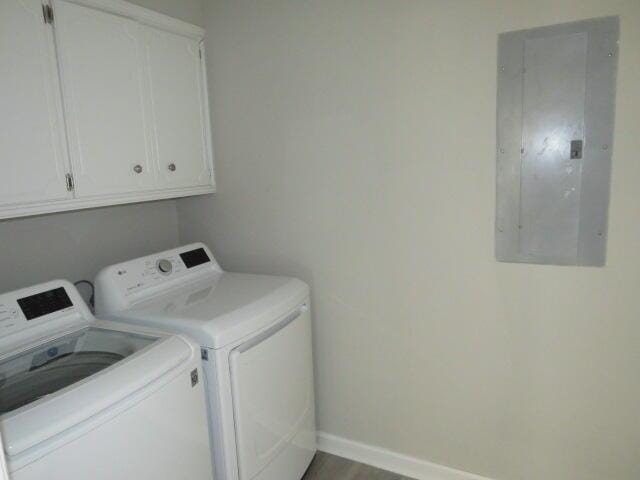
(272, 330)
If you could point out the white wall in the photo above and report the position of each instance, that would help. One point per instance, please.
(355, 149)
(76, 245)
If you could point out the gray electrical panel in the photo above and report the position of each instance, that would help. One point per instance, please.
(556, 104)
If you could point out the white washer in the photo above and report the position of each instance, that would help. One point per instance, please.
(81, 398)
(255, 334)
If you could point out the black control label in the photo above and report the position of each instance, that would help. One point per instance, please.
(196, 257)
(45, 303)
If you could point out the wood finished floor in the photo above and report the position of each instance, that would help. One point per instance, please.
(330, 467)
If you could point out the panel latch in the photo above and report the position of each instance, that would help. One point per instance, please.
(69, 180)
(47, 13)
(576, 149)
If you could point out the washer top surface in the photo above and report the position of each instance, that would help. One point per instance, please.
(220, 309)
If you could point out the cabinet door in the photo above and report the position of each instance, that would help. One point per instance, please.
(103, 85)
(33, 152)
(180, 109)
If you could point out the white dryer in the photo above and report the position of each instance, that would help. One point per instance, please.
(81, 398)
(255, 335)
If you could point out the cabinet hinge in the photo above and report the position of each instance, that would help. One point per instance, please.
(47, 13)
(70, 185)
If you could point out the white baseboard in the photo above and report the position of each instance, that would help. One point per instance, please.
(390, 461)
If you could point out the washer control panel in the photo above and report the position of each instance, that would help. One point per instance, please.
(44, 303)
(24, 308)
(10, 315)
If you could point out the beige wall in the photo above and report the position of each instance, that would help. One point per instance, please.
(76, 245)
(355, 149)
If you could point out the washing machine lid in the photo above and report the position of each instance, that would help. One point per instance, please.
(222, 308)
(60, 383)
(48, 368)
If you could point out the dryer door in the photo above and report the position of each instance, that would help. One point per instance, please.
(272, 384)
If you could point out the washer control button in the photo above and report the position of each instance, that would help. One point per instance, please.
(165, 266)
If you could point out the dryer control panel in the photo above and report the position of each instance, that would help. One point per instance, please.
(135, 280)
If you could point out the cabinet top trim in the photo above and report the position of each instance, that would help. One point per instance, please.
(144, 15)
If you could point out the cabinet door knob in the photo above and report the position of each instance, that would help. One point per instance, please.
(172, 167)
(137, 169)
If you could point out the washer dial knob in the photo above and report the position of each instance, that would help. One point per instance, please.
(165, 266)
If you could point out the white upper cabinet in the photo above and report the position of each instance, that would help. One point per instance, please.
(101, 103)
(103, 86)
(33, 154)
(180, 110)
